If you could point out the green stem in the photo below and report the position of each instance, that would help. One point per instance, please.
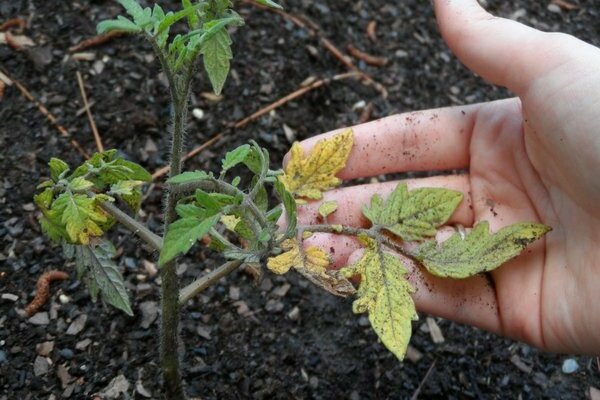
(204, 282)
(134, 226)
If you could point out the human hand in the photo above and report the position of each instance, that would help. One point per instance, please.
(532, 158)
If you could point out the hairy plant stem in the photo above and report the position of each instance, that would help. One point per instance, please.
(169, 340)
(136, 227)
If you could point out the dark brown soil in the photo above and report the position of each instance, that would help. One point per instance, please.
(263, 352)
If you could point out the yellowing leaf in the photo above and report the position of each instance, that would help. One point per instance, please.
(384, 293)
(81, 216)
(327, 208)
(309, 177)
(415, 214)
(312, 263)
(479, 251)
(230, 222)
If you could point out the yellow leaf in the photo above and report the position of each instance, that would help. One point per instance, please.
(230, 222)
(312, 263)
(385, 294)
(309, 177)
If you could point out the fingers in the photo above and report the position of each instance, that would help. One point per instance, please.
(502, 51)
(471, 301)
(418, 141)
(351, 200)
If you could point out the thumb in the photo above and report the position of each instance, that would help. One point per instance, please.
(502, 51)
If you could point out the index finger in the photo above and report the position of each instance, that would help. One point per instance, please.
(436, 139)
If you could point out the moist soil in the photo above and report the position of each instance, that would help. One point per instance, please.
(281, 338)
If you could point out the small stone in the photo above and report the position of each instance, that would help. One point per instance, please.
(266, 285)
(82, 344)
(274, 306)
(64, 299)
(203, 331)
(3, 358)
(290, 134)
(62, 372)
(234, 293)
(354, 395)
(363, 321)
(10, 297)
(143, 289)
(282, 290)
(117, 387)
(150, 268)
(555, 8)
(40, 366)
(570, 366)
(313, 382)
(594, 393)
(77, 325)
(294, 314)
(139, 387)
(242, 308)
(67, 354)
(44, 349)
(435, 331)
(149, 311)
(40, 318)
(198, 113)
(413, 354)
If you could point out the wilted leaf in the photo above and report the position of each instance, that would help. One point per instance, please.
(415, 214)
(269, 3)
(308, 177)
(124, 187)
(312, 263)
(384, 293)
(479, 251)
(182, 235)
(80, 184)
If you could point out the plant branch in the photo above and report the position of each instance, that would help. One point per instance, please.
(204, 282)
(134, 226)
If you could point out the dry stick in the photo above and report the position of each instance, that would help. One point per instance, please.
(86, 105)
(415, 395)
(94, 41)
(11, 23)
(315, 31)
(265, 110)
(366, 57)
(51, 118)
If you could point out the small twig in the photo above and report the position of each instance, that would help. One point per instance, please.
(94, 41)
(366, 57)
(134, 226)
(86, 105)
(204, 282)
(415, 395)
(18, 22)
(49, 116)
(42, 290)
(256, 115)
(372, 30)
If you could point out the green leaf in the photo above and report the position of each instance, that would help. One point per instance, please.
(189, 177)
(80, 184)
(57, 168)
(121, 24)
(192, 17)
(235, 157)
(253, 161)
(81, 217)
(44, 199)
(103, 274)
(172, 18)
(269, 3)
(141, 16)
(190, 211)
(182, 235)
(124, 187)
(479, 251)
(274, 214)
(415, 214)
(290, 207)
(216, 50)
(385, 294)
(52, 226)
